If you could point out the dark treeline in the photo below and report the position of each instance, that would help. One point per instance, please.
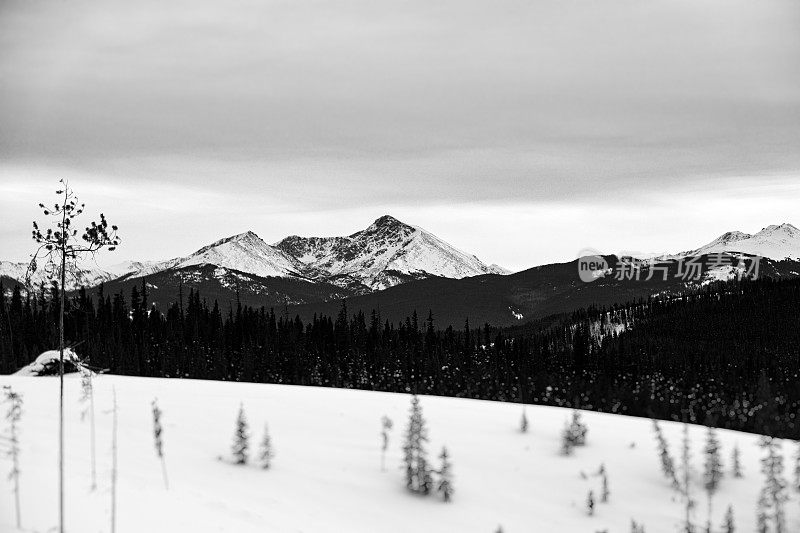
(727, 355)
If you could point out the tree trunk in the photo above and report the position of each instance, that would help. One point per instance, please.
(61, 389)
(91, 421)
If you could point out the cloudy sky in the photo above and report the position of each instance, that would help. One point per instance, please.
(520, 130)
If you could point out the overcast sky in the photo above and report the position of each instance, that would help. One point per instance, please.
(518, 130)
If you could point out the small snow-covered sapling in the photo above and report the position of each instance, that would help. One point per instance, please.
(445, 485)
(13, 416)
(158, 438)
(240, 439)
(266, 453)
(386, 426)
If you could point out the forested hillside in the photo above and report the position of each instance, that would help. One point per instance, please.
(731, 350)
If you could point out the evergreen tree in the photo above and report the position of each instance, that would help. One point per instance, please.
(686, 470)
(574, 434)
(418, 473)
(13, 416)
(774, 490)
(567, 442)
(762, 513)
(667, 463)
(386, 426)
(158, 440)
(445, 485)
(712, 473)
(590, 504)
(797, 467)
(605, 493)
(241, 439)
(266, 452)
(577, 430)
(736, 464)
(523, 425)
(728, 525)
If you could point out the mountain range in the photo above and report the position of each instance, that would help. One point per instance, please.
(398, 268)
(387, 253)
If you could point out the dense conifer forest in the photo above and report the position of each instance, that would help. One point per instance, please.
(727, 355)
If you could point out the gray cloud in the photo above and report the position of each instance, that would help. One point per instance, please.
(318, 105)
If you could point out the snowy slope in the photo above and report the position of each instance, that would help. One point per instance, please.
(326, 476)
(776, 242)
(84, 276)
(129, 267)
(245, 252)
(386, 253)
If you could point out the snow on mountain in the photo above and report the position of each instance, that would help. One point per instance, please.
(129, 267)
(386, 253)
(84, 276)
(776, 242)
(245, 252)
(326, 475)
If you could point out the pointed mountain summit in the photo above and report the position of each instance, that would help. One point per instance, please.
(245, 252)
(778, 241)
(388, 252)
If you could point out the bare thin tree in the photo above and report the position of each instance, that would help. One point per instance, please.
(13, 416)
(158, 431)
(61, 248)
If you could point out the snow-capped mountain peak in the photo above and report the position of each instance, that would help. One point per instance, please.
(730, 237)
(386, 253)
(777, 241)
(245, 252)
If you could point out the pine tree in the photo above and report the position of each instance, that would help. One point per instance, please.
(578, 430)
(605, 493)
(762, 513)
(418, 473)
(797, 468)
(774, 490)
(523, 425)
(240, 439)
(636, 528)
(61, 250)
(736, 464)
(686, 469)
(566, 441)
(728, 526)
(266, 452)
(590, 504)
(386, 426)
(667, 463)
(159, 440)
(13, 416)
(445, 486)
(712, 469)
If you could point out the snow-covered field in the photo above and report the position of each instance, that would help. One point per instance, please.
(327, 477)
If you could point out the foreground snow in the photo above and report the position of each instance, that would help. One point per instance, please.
(326, 475)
